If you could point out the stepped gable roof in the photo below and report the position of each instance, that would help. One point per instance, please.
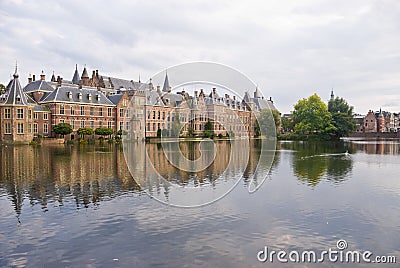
(63, 94)
(76, 78)
(15, 93)
(39, 85)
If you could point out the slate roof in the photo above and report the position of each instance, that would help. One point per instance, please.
(15, 94)
(85, 73)
(39, 85)
(115, 98)
(62, 93)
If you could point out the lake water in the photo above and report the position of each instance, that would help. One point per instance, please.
(73, 206)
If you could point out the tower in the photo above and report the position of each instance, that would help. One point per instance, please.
(76, 78)
(85, 77)
(166, 86)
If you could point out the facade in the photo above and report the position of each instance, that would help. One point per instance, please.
(131, 107)
(378, 122)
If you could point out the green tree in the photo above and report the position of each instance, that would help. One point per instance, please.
(176, 126)
(287, 124)
(208, 130)
(268, 122)
(342, 116)
(311, 116)
(62, 129)
(2, 89)
(85, 131)
(191, 131)
(104, 131)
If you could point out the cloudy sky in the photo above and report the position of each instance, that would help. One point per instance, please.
(291, 49)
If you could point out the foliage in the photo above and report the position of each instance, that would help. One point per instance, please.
(176, 126)
(121, 132)
(342, 117)
(104, 131)
(2, 89)
(268, 122)
(208, 130)
(191, 131)
(311, 117)
(287, 124)
(62, 129)
(85, 131)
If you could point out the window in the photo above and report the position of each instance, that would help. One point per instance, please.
(82, 124)
(154, 126)
(100, 124)
(20, 113)
(45, 128)
(35, 128)
(7, 114)
(61, 121)
(91, 111)
(62, 109)
(30, 114)
(92, 124)
(163, 115)
(101, 111)
(8, 128)
(121, 112)
(109, 124)
(154, 114)
(79, 96)
(45, 116)
(127, 126)
(109, 111)
(29, 128)
(82, 110)
(35, 116)
(121, 125)
(20, 128)
(72, 123)
(128, 113)
(148, 126)
(89, 96)
(125, 103)
(72, 110)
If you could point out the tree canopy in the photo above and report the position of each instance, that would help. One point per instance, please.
(342, 117)
(311, 116)
(104, 131)
(85, 131)
(63, 129)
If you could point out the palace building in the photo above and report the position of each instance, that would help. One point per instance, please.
(140, 109)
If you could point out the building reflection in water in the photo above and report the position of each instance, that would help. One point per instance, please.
(377, 146)
(163, 171)
(50, 174)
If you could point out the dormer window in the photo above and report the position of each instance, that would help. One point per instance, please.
(79, 96)
(69, 95)
(18, 99)
(89, 96)
(97, 97)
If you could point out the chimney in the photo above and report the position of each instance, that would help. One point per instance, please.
(226, 96)
(29, 79)
(34, 78)
(158, 89)
(97, 72)
(270, 99)
(42, 76)
(234, 97)
(195, 93)
(214, 90)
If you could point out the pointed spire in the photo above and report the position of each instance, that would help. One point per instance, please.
(53, 78)
(332, 95)
(139, 78)
(166, 87)
(16, 96)
(76, 78)
(85, 73)
(16, 70)
(257, 93)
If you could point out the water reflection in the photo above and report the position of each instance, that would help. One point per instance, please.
(313, 161)
(375, 146)
(51, 174)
